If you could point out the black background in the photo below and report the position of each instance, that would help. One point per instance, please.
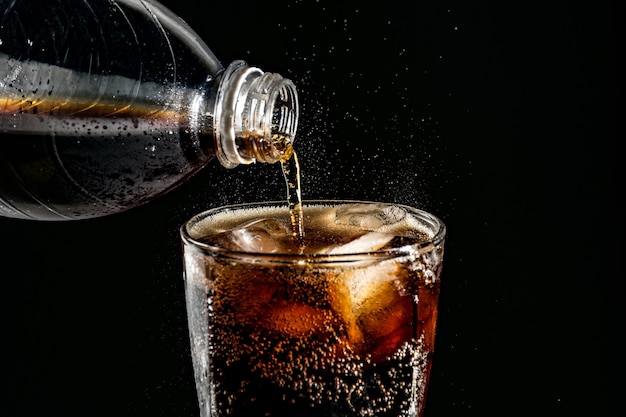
(499, 117)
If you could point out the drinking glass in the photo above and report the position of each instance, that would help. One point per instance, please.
(341, 323)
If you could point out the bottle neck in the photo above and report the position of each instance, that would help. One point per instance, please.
(256, 116)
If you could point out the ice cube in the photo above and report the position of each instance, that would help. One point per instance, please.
(369, 242)
(260, 236)
(367, 285)
(371, 304)
(295, 319)
(382, 308)
(370, 217)
(386, 320)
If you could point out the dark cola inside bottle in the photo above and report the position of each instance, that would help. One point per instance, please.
(106, 105)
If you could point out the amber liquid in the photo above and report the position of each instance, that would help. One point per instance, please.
(291, 171)
(85, 107)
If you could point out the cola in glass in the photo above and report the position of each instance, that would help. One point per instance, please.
(341, 323)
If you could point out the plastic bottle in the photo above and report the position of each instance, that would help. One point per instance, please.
(107, 104)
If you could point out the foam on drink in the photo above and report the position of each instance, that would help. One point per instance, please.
(356, 228)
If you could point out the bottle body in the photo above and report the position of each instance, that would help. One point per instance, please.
(106, 105)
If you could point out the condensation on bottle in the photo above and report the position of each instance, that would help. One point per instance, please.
(107, 104)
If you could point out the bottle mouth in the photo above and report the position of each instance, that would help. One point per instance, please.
(256, 116)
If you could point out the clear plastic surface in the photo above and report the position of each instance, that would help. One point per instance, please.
(105, 105)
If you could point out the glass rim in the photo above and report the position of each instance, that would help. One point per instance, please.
(434, 224)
